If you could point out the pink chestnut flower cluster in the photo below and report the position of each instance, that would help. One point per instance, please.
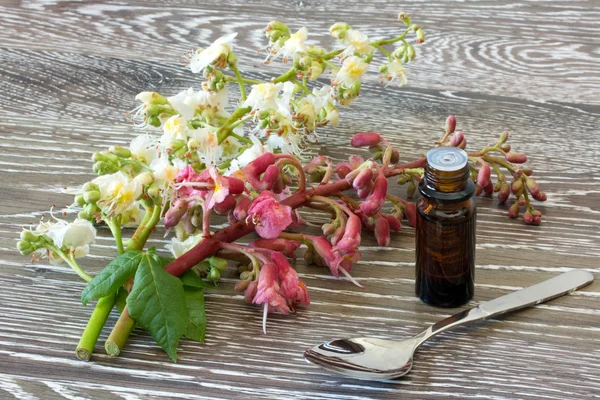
(497, 157)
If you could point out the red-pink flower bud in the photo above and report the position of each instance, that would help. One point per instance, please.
(478, 189)
(328, 229)
(241, 286)
(351, 239)
(285, 246)
(366, 191)
(411, 213)
(527, 217)
(269, 178)
(394, 222)
(240, 212)
(522, 202)
(517, 186)
(532, 186)
(513, 211)
(527, 171)
(225, 206)
(395, 157)
(363, 178)
(450, 124)
(250, 291)
(497, 186)
(235, 185)
(506, 147)
(382, 231)
(483, 176)
(375, 201)
(537, 220)
(365, 139)
(540, 196)
(175, 213)
(503, 193)
(517, 158)
(462, 145)
(489, 188)
(337, 235)
(342, 170)
(457, 138)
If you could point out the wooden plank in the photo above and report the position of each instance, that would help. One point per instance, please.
(69, 72)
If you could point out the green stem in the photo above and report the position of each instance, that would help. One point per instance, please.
(225, 130)
(384, 51)
(390, 41)
(118, 336)
(92, 331)
(291, 73)
(240, 80)
(70, 260)
(115, 227)
(302, 85)
(245, 80)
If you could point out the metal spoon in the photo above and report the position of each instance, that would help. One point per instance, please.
(371, 358)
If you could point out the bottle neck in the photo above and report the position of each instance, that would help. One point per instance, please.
(447, 186)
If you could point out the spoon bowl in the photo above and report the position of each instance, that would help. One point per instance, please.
(373, 358)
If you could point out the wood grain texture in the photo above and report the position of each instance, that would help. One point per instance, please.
(69, 70)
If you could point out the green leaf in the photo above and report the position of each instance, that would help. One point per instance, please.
(157, 302)
(192, 279)
(194, 298)
(112, 277)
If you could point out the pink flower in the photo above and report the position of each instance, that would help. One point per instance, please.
(375, 200)
(334, 260)
(223, 187)
(382, 231)
(269, 216)
(269, 291)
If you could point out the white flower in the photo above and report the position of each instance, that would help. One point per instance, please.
(265, 96)
(165, 172)
(75, 237)
(200, 59)
(175, 128)
(395, 69)
(353, 68)
(178, 247)
(206, 143)
(132, 217)
(252, 153)
(117, 192)
(188, 102)
(143, 148)
(319, 98)
(357, 42)
(294, 45)
(288, 140)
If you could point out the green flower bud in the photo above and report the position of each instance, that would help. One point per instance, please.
(214, 275)
(98, 156)
(153, 191)
(410, 52)
(84, 215)
(420, 36)
(25, 248)
(410, 190)
(91, 197)
(104, 168)
(218, 263)
(316, 51)
(383, 68)
(90, 187)
(91, 209)
(232, 59)
(28, 236)
(148, 202)
(399, 52)
(152, 110)
(404, 179)
(246, 275)
(120, 151)
(177, 144)
(153, 121)
(79, 200)
(276, 26)
(404, 18)
(338, 30)
(315, 70)
(503, 137)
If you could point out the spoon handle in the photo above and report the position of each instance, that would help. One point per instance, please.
(539, 293)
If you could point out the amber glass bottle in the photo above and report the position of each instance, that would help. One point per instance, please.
(446, 230)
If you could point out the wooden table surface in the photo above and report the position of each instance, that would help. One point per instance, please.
(69, 70)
